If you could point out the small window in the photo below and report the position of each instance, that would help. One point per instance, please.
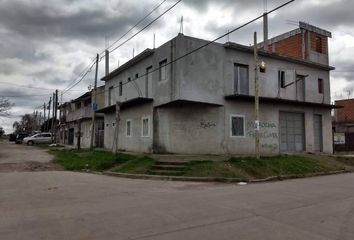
(281, 77)
(137, 76)
(110, 96)
(120, 88)
(145, 127)
(319, 48)
(129, 128)
(241, 79)
(129, 79)
(163, 73)
(113, 124)
(237, 126)
(320, 86)
(107, 124)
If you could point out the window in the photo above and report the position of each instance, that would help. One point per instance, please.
(237, 126)
(148, 80)
(281, 78)
(113, 124)
(162, 67)
(78, 105)
(145, 127)
(320, 86)
(137, 76)
(129, 128)
(110, 96)
(129, 79)
(241, 81)
(120, 88)
(319, 44)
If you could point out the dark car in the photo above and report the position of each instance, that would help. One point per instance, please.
(20, 137)
(12, 137)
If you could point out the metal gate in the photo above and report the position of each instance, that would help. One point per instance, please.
(317, 121)
(292, 132)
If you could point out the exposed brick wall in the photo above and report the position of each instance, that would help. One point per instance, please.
(291, 46)
(345, 114)
(324, 43)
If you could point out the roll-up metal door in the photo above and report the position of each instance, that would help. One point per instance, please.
(317, 121)
(292, 132)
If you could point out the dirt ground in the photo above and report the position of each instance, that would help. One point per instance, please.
(22, 158)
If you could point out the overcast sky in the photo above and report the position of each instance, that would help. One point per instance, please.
(46, 44)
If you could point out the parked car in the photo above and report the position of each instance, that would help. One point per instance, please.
(38, 138)
(20, 137)
(12, 137)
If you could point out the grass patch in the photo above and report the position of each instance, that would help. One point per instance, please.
(346, 160)
(92, 160)
(140, 165)
(282, 165)
(212, 169)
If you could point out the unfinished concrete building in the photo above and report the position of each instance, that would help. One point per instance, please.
(76, 120)
(203, 103)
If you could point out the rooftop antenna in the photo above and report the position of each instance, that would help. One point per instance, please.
(118, 63)
(181, 26)
(265, 6)
(133, 52)
(228, 36)
(154, 40)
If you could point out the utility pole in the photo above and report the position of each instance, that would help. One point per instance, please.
(94, 104)
(256, 96)
(44, 123)
(55, 116)
(52, 127)
(116, 135)
(49, 104)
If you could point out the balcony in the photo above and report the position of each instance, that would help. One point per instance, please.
(85, 112)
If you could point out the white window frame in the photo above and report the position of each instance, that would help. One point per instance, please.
(244, 125)
(142, 126)
(126, 128)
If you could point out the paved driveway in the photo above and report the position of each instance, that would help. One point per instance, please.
(68, 205)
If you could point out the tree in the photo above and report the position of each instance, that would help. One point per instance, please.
(2, 132)
(5, 106)
(27, 124)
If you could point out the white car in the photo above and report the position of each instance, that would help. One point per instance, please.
(38, 138)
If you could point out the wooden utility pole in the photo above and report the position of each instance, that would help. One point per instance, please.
(52, 127)
(256, 96)
(94, 104)
(49, 104)
(44, 123)
(116, 134)
(55, 116)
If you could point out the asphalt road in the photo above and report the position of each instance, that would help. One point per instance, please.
(68, 205)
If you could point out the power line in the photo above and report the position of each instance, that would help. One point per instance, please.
(202, 46)
(24, 86)
(149, 24)
(146, 26)
(140, 21)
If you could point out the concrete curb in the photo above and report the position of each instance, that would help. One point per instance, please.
(215, 179)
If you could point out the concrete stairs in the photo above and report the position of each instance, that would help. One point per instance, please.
(168, 168)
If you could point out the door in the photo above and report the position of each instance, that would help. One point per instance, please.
(292, 133)
(318, 135)
(71, 136)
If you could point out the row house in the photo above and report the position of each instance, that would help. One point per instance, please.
(75, 117)
(165, 100)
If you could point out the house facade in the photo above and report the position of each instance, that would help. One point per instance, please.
(343, 125)
(75, 117)
(166, 100)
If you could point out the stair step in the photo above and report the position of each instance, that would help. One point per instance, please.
(171, 163)
(166, 172)
(169, 167)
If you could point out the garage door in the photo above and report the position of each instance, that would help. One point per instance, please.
(292, 132)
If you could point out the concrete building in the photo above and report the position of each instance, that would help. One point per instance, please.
(203, 103)
(343, 125)
(76, 120)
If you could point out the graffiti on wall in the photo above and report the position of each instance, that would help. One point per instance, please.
(207, 124)
(268, 133)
